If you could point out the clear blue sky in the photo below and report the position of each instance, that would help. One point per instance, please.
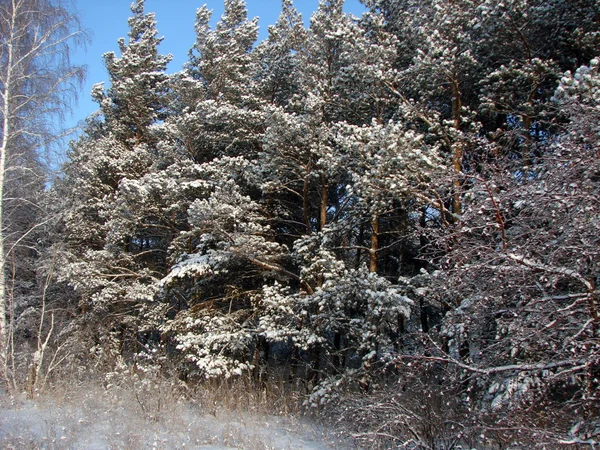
(107, 22)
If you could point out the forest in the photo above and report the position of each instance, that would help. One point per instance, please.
(394, 217)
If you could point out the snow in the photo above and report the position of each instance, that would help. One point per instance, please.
(94, 418)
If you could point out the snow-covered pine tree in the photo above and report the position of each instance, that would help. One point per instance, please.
(523, 69)
(116, 224)
(276, 208)
(135, 99)
(220, 115)
(229, 249)
(222, 58)
(276, 64)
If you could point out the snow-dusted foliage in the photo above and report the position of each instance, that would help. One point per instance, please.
(275, 67)
(135, 98)
(216, 343)
(233, 240)
(389, 163)
(360, 306)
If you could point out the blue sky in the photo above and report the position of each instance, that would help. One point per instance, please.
(107, 21)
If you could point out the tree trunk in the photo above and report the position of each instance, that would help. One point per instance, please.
(339, 359)
(315, 360)
(373, 256)
(6, 132)
(260, 360)
(305, 206)
(324, 201)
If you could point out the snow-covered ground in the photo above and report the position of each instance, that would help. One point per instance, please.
(96, 418)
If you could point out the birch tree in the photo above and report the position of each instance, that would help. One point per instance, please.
(37, 84)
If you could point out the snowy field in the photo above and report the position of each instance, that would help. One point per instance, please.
(97, 418)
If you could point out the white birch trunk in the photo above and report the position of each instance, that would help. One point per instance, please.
(6, 132)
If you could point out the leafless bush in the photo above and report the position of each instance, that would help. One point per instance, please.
(415, 411)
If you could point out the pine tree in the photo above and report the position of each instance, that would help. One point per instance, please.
(221, 59)
(228, 249)
(307, 196)
(306, 166)
(136, 97)
(117, 225)
(215, 88)
(276, 66)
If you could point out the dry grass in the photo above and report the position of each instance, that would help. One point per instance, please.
(133, 412)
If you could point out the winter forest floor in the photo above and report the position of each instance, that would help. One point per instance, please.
(91, 416)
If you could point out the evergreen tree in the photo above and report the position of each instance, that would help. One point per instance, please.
(304, 167)
(117, 226)
(276, 71)
(221, 59)
(136, 97)
(215, 88)
(228, 249)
